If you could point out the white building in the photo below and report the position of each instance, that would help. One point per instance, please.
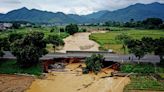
(4, 26)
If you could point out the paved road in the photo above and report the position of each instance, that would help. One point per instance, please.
(108, 56)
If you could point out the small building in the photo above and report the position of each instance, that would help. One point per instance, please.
(4, 26)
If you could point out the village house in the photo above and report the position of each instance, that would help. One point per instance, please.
(4, 26)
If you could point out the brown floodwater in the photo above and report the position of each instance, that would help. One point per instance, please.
(72, 80)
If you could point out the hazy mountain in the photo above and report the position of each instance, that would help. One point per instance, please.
(78, 18)
(137, 12)
(96, 15)
(1, 15)
(36, 16)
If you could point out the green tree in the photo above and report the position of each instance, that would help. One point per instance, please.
(29, 49)
(14, 36)
(152, 23)
(55, 40)
(148, 44)
(159, 47)
(71, 29)
(94, 63)
(141, 47)
(124, 40)
(137, 48)
(52, 30)
(62, 30)
(4, 45)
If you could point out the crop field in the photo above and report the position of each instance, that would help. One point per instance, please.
(144, 83)
(46, 30)
(108, 41)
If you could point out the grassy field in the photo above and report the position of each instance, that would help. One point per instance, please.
(45, 30)
(10, 67)
(108, 41)
(144, 83)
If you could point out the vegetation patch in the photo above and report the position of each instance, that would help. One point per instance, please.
(144, 83)
(11, 67)
(107, 40)
(161, 75)
(142, 68)
(93, 64)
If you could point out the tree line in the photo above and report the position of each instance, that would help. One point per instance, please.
(145, 45)
(149, 23)
(28, 48)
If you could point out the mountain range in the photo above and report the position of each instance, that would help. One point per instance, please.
(137, 12)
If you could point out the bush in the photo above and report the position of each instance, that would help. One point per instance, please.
(52, 30)
(127, 68)
(55, 40)
(142, 68)
(83, 30)
(62, 30)
(94, 63)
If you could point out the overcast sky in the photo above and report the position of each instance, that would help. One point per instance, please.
(70, 6)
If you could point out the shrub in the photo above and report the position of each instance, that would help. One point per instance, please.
(83, 30)
(62, 30)
(94, 63)
(55, 40)
(127, 68)
(142, 68)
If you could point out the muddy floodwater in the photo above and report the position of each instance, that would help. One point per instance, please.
(71, 79)
(79, 42)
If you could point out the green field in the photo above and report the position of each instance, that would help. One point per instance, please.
(11, 67)
(45, 30)
(144, 83)
(108, 41)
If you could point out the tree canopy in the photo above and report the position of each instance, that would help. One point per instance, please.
(124, 38)
(146, 45)
(94, 63)
(55, 40)
(71, 29)
(28, 49)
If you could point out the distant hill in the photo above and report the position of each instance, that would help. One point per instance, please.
(1, 15)
(36, 16)
(137, 12)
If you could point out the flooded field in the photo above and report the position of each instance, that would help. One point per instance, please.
(71, 79)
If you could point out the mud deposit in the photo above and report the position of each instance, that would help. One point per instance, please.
(72, 80)
(14, 83)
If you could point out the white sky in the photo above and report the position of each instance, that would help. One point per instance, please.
(80, 7)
